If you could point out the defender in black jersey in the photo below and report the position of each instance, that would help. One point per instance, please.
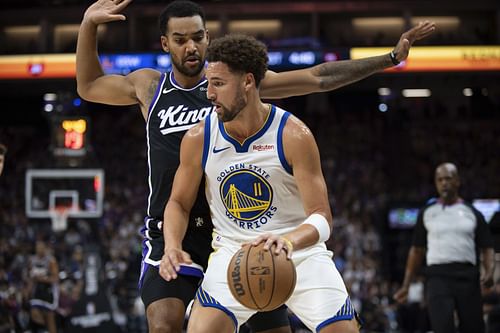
(44, 277)
(172, 103)
(174, 109)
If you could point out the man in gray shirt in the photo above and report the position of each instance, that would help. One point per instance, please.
(451, 234)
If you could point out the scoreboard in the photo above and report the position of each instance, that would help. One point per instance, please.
(70, 135)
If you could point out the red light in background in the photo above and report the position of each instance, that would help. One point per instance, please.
(73, 140)
(97, 184)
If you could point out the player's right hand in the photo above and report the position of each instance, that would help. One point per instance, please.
(103, 11)
(282, 243)
(401, 295)
(171, 262)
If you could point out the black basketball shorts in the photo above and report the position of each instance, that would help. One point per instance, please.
(153, 287)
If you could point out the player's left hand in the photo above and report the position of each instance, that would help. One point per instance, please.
(281, 242)
(487, 280)
(420, 31)
(171, 261)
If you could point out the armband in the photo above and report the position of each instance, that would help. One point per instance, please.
(319, 222)
(394, 60)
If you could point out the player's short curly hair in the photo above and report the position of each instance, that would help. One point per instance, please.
(179, 8)
(3, 149)
(240, 53)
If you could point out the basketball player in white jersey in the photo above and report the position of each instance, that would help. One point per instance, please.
(264, 184)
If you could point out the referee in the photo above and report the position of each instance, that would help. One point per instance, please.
(451, 234)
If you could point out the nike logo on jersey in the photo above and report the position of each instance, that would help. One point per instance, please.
(180, 118)
(215, 150)
(166, 91)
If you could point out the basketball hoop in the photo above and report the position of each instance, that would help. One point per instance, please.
(59, 217)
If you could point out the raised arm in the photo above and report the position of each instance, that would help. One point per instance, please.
(92, 84)
(335, 74)
(184, 191)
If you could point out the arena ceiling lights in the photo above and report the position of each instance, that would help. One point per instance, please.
(370, 24)
(412, 93)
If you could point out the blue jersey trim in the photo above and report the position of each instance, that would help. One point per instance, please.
(206, 141)
(157, 92)
(191, 271)
(243, 148)
(346, 312)
(333, 320)
(43, 306)
(144, 270)
(208, 301)
(281, 151)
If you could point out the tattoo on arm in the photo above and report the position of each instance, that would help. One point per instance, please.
(150, 94)
(147, 98)
(336, 74)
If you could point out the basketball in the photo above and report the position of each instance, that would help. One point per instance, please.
(260, 279)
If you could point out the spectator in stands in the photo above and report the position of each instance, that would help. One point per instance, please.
(3, 151)
(448, 232)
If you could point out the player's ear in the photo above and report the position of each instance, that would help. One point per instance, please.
(164, 43)
(208, 36)
(249, 81)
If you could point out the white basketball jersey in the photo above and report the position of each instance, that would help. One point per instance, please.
(250, 187)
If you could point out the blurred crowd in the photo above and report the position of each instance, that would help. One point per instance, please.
(474, 24)
(370, 160)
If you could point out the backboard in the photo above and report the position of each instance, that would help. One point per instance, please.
(81, 190)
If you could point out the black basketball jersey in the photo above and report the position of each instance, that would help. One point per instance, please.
(173, 111)
(40, 266)
(44, 294)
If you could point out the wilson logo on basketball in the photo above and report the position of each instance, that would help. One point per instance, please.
(236, 275)
(261, 279)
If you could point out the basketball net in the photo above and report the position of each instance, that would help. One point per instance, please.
(59, 217)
